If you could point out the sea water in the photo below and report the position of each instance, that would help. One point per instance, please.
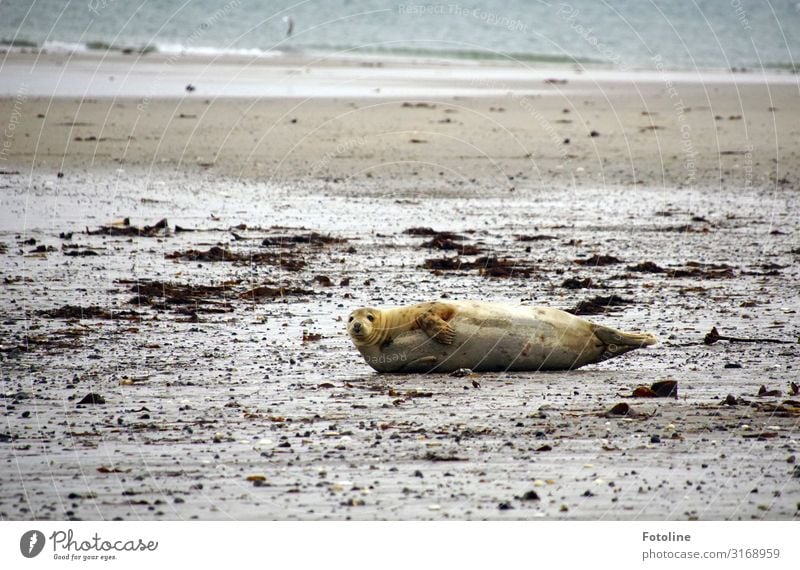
(624, 34)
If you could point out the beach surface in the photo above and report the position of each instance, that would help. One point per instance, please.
(199, 367)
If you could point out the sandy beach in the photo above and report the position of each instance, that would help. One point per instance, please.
(655, 129)
(199, 368)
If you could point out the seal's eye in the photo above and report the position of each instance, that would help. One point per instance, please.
(350, 320)
(370, 318)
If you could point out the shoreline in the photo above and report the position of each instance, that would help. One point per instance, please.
(330, 76)
(354, 55)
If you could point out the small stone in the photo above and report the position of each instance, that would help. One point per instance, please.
(353, 502)
(256, 478)
(621, 409)
(531, 496)
(655, 439)
(665, 388)
(644, 392)
(92, 398)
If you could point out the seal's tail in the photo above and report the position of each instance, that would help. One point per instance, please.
(613, 337)
(619, 342)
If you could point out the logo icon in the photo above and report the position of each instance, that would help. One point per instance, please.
(31, 543)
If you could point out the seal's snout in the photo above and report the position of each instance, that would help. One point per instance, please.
(357, 327)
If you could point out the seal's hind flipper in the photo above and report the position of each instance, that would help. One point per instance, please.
(619, 342)
(434, 323)
(611, 336)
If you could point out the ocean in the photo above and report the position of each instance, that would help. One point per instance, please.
(623, 34)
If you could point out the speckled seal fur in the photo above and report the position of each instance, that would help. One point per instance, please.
(443, 336)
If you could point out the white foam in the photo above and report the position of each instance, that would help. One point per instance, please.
(62, 47)
(209, 51)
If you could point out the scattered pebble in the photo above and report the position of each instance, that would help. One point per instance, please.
(530, 496)
(92, 398)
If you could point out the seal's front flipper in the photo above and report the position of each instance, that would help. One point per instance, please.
(424, 364)
(436, 327)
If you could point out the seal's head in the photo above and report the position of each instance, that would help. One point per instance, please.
(363, 325)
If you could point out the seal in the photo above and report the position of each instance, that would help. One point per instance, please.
(443, 336)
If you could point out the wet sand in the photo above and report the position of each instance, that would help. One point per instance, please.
(230, 389)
